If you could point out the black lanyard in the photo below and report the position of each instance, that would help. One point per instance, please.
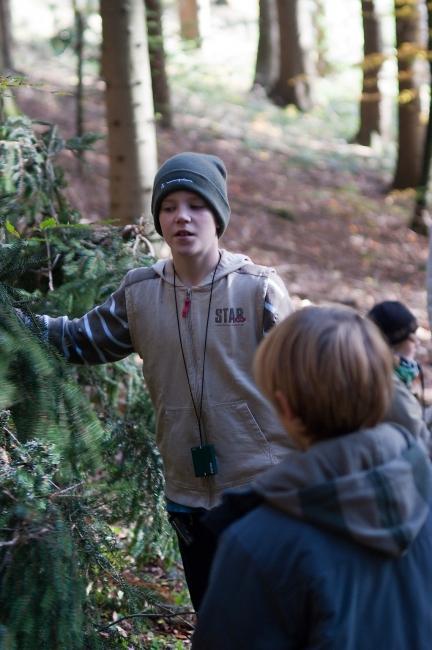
(197, 414)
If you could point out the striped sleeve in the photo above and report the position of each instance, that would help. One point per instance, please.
(100, 336)
(277, 303)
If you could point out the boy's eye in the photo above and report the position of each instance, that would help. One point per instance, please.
(171, 207)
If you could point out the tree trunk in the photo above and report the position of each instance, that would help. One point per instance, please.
(130, 113)
(411, 130)
(8, 106)
(160, 86)
(292, 86)
(194, 17)
(79, 92)
(318, 21)
(267, 61)
(421, 216)
(5, 37)
(370, 104)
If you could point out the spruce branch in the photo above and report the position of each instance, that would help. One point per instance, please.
(62, 493)
(154, 615)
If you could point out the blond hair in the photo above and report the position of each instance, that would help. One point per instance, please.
(332, 366)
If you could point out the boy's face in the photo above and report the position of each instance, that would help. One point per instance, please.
(407, 348)
(188, 225)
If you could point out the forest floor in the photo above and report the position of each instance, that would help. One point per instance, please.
(319, 211)
(303, 200)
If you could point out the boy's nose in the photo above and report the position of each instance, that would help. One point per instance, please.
(182, 213)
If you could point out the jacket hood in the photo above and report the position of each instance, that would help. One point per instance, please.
(373, 486)
(229, 262)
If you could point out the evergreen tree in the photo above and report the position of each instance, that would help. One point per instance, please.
(76, 443)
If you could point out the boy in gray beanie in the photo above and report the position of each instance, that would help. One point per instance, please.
(194, 172)
(195, 320)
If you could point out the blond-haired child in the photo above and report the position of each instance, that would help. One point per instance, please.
(335, 549)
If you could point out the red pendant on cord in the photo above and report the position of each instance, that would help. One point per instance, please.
(186, 306)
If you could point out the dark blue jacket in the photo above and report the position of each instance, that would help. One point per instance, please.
(320, 565)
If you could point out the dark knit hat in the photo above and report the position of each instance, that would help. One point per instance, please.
(193, 172)
(394, 320)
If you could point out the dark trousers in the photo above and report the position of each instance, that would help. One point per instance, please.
(197, 546)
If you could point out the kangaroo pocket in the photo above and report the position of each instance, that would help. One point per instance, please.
(242, 450)
(177, 432)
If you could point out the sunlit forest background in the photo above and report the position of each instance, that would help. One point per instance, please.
(320, 111)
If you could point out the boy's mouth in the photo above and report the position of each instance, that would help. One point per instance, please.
(183, 233)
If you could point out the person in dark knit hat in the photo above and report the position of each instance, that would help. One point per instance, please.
(394, 320)
(195, 319)
(202, 174)
(398, 325)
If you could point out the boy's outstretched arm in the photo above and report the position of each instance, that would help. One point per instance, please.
(100, 336)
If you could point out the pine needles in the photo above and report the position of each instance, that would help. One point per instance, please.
(77, 453)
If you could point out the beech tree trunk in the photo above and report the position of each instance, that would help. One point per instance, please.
(130, 112)
(8, 105)
(292, 85)
(370, 103)
(421, 216)
(79, 53)
(411, 132)
(194, 16)
(160, 86)
(267, 61)
(318, 21)
(5, 37)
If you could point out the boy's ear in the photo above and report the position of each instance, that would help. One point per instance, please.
(284, 409)
(291, 422)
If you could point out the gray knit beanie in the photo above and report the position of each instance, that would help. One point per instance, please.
(193, 172)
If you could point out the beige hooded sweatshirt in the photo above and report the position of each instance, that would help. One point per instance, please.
(140, 317)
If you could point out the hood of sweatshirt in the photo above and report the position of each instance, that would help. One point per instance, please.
(228, 262)
(374, 486)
